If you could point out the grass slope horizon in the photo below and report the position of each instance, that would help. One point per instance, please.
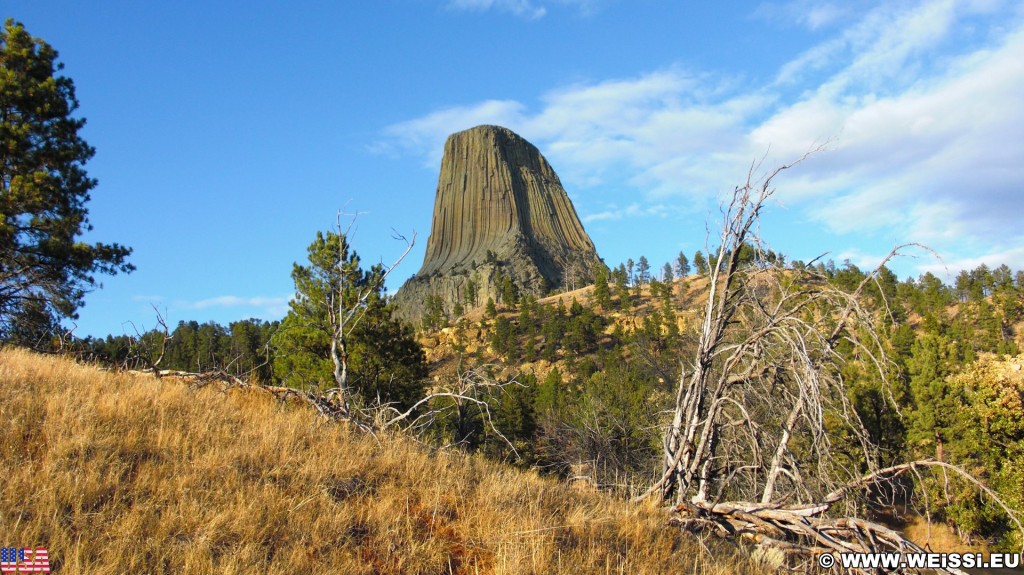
(115, 473)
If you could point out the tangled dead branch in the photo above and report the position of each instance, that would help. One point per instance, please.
(472, 389)
(804, 531)
(764, 443)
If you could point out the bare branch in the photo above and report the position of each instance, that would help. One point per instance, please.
(765, 378)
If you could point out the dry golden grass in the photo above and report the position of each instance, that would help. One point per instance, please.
(118, 473)
(936, 536)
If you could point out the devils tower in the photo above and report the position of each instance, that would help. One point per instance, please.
(500, 211)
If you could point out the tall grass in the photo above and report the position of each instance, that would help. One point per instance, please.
(119, 473)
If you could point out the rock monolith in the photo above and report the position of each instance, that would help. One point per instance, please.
(500, 211)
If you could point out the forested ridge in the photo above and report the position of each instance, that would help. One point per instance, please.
(593, 373)
(601, 373)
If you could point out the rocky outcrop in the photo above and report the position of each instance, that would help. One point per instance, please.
(500, 211)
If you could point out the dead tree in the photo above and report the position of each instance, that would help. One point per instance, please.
(145, 354)
(764, 443)
(345, 313)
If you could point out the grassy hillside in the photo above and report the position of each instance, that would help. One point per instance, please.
(118, 473)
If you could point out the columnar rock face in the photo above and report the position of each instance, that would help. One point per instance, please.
(500, 211)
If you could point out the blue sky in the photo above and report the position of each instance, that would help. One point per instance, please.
(228, 133)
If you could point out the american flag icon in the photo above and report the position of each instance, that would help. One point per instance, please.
(24, 560)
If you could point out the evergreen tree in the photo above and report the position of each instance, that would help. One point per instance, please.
(550, 392)
(434, 316)
(469, 290)
(513, 414)
(667, 274)
(621, 286)
(848, 277)
(643, 271)
(981, 282)
(211, 345)
(509, 293)
(1002, 279)
(553, 330)
(249, 349)
(502, 338)
(602, 295)
(962, 286)
(625, 442)
(935, 295)
(619, 275)
(575, 308)
(700, 263)
(682, 265)
(384, 360)
(934, 401)
(45, 268)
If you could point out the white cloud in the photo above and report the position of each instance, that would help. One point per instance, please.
(922, 112)
(268, 306)
(635, 209)
(947, 270)
(810, 14)
(642, 125)
(607, 215)
(937, 159)
(426, 135)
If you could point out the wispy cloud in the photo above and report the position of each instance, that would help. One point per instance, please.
(811, 14)
(270, 307)
(425, 136)
(1012, 257)
(614, 213)
(656, 128)
(921, 104)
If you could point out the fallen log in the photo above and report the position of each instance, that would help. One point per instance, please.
(803, 532)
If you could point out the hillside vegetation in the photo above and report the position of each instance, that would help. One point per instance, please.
(121, 473)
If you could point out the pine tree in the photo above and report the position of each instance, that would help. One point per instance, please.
(509, 294)
(514, 416)
(469, 290)
(621, 286)
(667, 275)
(549, 394)
(682, 265)
(602, 295)
(434, 316)
(643, 271)
(700, 263)
(45, 268)
(502, 336)
(384, 361)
